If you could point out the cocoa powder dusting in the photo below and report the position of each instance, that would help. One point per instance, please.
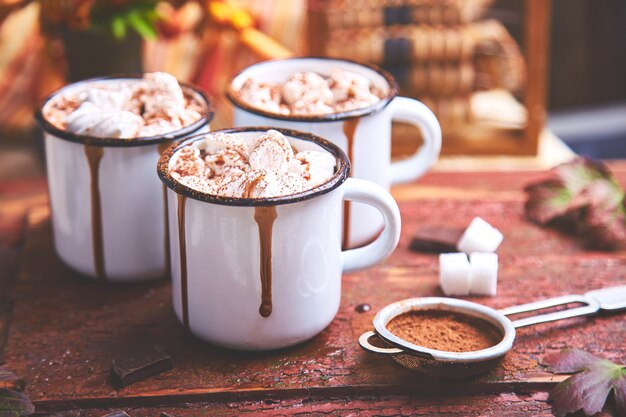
(443, 330)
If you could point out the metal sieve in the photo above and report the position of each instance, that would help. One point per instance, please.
(463, 364)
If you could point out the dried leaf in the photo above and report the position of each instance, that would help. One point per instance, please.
(13, 402)
(547, 200)
(591, 385)
(604, 221)
(10, 381)
(583, 197)
(568, 361)
(580, 172)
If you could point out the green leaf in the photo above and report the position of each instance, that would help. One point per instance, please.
(141, 24)
(153, 15)
(118, 27)
(590, 387)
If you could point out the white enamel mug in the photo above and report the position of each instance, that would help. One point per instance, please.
(265, 273)
(108, 215)
(364, 134)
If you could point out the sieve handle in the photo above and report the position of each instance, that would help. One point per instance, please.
(364, 341)
(592, 306)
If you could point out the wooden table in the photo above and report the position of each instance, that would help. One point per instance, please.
(64, 331)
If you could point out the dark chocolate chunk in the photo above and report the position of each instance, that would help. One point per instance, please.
(117, 414)
(433, 239)
(139, 362)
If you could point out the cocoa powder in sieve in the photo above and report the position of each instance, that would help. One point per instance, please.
(444, 330)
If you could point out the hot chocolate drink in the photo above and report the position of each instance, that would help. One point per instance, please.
(226, 165)
(310, 93)
(130, 108)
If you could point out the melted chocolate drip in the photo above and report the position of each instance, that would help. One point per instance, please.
(166, 233)
(349, 128)
(94, 156)
(247, 193)
(161, 147)
(264, 217)
(182, 244)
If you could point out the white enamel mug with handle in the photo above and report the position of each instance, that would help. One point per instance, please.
(106, 203)
(364, 134)
(265, 273)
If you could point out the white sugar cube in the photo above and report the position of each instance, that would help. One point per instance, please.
(480, 236)
(454, 273)
(483, 273)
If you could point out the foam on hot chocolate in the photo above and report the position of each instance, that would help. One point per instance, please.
(267, 166)
(309, 93)
(129, 108)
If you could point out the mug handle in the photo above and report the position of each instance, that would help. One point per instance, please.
(374, 195)
(411, 111)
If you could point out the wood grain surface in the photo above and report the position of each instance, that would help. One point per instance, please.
(64, 331)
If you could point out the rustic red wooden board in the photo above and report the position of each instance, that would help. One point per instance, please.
(66, 330)
(501, 405)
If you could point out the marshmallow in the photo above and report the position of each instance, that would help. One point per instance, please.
(311, 107)
(188, 163)
(316, 167)
(163, 102)
(111, 97)
(483, 273)
(160, 106)
(103, 122)
(224, 159)
(345, 84)
(302, 88)
(218, 141)
(125, 109)
(480, 236)
(251, 184)
(157, 127)
(309, 93)
(271, 151)
(263, 95)
(350, 90)
(225, 165)
(454, 274)
(196, 183)
(355, 103)
(165, 85)
(289, 183)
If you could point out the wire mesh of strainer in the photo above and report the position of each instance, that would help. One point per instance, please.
(436, 362)
(433, 367)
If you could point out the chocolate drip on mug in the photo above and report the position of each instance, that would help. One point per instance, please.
(249, 188)
(166, 232)
(182, 245)
(264, 217)
(94, 156)
(161, 147)
(349, 128)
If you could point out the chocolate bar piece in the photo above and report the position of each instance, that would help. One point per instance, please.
(433, 239)
(139, 362)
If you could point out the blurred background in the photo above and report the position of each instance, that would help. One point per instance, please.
(494, 71)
